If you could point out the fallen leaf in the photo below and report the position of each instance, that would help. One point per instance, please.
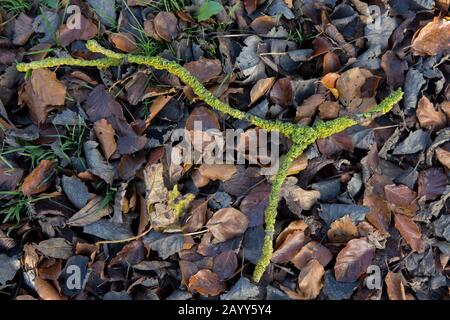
(101, 104)
(68, 34)
(46, 290)
(282, 92)
(207, 283)
(263, 24)
(442, 155)
(96, 163)
(105, 134)
(75, 190)
(342, 230)
(410, 232)
(204, 116)
(296, 225)
(289, 247)
(433, 38)
(225, 264)
(58, 248)
(428, 116)
(379, 215)
(394, 68)
(23, 29)
(432, 183)
(204, 69)
(92, 212)
(394, 285)
(312, 251)
(250, 5)
(10, 266)
(166, 25)
(227, 223)
(329, 81)
(353, 260)
(401, 199)
(42, 92)
(196, 218)
(39, 179)
(310, 280)
(130, 255)
(123, 41)
(222, 172)
(242, 290)
(260, 88)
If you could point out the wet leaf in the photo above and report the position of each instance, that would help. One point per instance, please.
(410, 232)
(353, 260)
(310, 280)
(39, 179)
(206, 282)
(227, 223)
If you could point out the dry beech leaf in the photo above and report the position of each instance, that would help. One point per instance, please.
(310, 280)
(290, 247)
(282, 92)
(105, 134)
(395, 287)
(222, 172)
(410, 231)
(342, 230)
(428, 116)
(207, 283)
(296, 225)
(329, 82)
(42, 92)
(46, 290)
(227, 223)
(443, 156)
(379, 215)
(433, 38)
(298, 165)
(123, 41)
(312, 251)
(401, 199)
(260, 88)
(166, 25)
(39, 179)
(353, 260)
(204, 69)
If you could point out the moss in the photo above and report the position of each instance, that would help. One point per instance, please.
(178, 203)
(301, 136)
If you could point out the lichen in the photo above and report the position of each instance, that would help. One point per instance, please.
(301, 136)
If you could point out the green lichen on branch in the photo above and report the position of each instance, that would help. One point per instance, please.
(301, 136)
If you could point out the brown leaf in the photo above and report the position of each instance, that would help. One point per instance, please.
(298, 165)
(428, 116)
(310, 280)
(205, 116)
(329, 110)
(260, 88)
(222, 172)
(166, 25)
(263, 24)
(157, 105)
(395, 287)
(67, 34)
(9, 177)
(41, 93)
(105, 134)
(282, 92)
(312, 251)
(101, 104)
(187, 270)
(58, 248)
(331, 62)
(329, 82)
(130, 255)
(250, 5)
(23, 29)
(207, 283)
(290, 247)
(342, 230)
(296, 225)
(350, 86)
(308, 109)
(394, 68)
(432, 183)
(401, 199)
(227, 223)
(39, 179)
(442, 155)
(204, 69)
(353, 260)
(433, 38)
(123, 41)
(92, 212)
(46, 290)
(225, 264)
(197, 216)
(410, 232)
(379, 215)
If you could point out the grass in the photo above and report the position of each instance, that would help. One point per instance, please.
(16, 6)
